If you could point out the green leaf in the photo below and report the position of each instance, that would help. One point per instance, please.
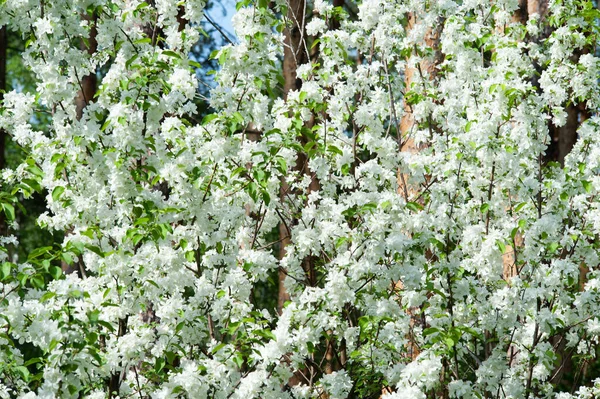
(159, 365)
(94, 316)
(37, 281)
(218, 348)
(105, 125)
(369, 207)
(237, 117)
(340, 241)
(32, 361)
(333, 149)
(67, 257)
(414, 206)
(5, 269)
(9, 211)
(172, 54)
(141, 221)
(223, 56)
(23, 371)
(470, 331)
(47, 296)
(171, 356)
(55, 272)
(268, 334)
(587, 186)
(253, 191)
(429, 331)
(281, 164)
(553, 247)
(308, 146)
(95, 250)
(131, 60)
(34, 184)
(564, 196)
(208, 118)
(22, 277)
(107, 325)
(57, 192)
(520, 206)
(266, 197)
(92, 337)
(501, 246)
(237, 171)
(152, 282)
(238, 359)
(179, 388)
(513, 232)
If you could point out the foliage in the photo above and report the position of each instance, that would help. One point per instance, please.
(467, 267)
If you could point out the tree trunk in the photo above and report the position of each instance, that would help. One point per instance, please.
(521, 14)
(295, 50)
(407, 124)
(539, 7)
(88, 82)
(567, 134)
(294, 54)
(87, 90)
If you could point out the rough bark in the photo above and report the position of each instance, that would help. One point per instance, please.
(510, 256)
(539, 7)
(407, 124)
(87, 90)
(567, 134)
(562, 139)
(521, 14)
(88, 82)
(295, 49)
(331, 364)
(295, 53)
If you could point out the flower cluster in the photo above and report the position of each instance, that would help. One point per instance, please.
(429, 247)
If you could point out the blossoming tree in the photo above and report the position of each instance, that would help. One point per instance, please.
(422, 176)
